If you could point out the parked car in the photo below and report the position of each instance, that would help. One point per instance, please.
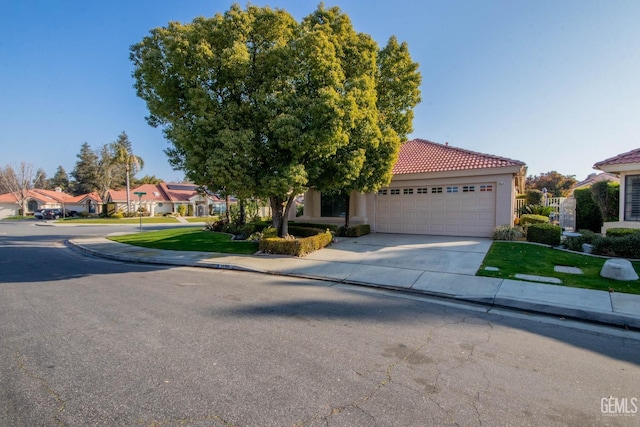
(38, 214)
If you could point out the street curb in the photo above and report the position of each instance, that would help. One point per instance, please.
(602, 318)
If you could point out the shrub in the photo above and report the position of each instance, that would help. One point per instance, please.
(296, 247)
(588, 214)
(536, 210)
(117, 215)
(354, 231)
(625, 246)
(331, 227)
(606, 195)
(575, 243)
(305, 231)
(527, 219)
(547, 234)
(182, 210)
(533, 197)
(619, 232)
(507, 232)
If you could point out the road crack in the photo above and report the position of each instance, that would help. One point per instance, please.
(45, 386)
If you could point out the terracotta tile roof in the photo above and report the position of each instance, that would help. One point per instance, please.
(45, 196)
(163, 192)
(422, 156)
(593, 178)
(632, 156)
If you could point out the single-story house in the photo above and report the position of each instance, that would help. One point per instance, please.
(627, 167)
(164, 198)
(37, 199)
(436, 189)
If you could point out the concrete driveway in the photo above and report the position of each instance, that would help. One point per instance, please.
(441, 254)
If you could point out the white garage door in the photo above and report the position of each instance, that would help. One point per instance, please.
(452, 210)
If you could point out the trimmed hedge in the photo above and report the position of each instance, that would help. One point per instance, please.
(588, 215)
(354, 231)
(623, 247)
(304, 231)
(528, 219)
(323, 227)
(296, 247)
(547, 234)
(619, 232)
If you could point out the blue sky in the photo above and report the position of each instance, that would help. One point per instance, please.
(553, 83)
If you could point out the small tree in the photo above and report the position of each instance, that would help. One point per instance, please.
(556, 184)
(60, 179)
(123, 156)
(40, 180)
(18, 180)
(86, 171)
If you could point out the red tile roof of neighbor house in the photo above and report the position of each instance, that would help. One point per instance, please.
(632, 156)
(422, 156)
(162, 192)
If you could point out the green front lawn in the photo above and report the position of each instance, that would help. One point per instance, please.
(188, 239)
(523, 258)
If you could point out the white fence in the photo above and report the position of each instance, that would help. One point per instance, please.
(564, 210)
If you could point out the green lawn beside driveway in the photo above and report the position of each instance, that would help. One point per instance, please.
(522, 258)
(188, 239)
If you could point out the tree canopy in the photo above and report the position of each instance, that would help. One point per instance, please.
(557, 185)
(257, 104)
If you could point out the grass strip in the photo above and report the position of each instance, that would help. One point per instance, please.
(523, 258)
(188, 239)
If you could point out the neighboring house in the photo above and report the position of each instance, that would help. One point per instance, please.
(38, 199)
(593, 178)
(164, 198)
(627, 167)
(435, 189)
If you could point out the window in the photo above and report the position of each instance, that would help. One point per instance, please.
(486, 187)
(468, 188)
(452, 189)
(632, 198)
(407, 191)
(395, 191)
(382, 192)
(423, 190)
(436, 190)
(160, 204)
(332, 205)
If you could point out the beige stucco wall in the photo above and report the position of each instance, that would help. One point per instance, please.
(363, 206)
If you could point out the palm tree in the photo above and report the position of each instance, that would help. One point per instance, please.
(123, 156)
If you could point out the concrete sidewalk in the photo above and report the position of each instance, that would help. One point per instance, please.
(428, 265)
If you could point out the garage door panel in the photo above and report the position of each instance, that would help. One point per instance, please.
(461, 214)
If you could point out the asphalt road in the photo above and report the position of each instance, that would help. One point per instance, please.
(86, 341)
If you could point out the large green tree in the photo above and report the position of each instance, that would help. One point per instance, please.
(85, 173)
(257, 104)
(385, 87)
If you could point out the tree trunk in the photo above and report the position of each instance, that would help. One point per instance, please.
(280, 213)
(347, 200)
(242, 214)
(227, 204)
(128, 196)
